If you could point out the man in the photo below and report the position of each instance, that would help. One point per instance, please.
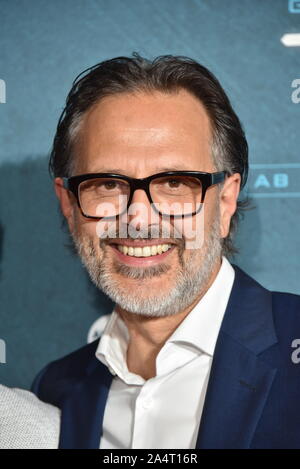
(26, 422)
(148, 162)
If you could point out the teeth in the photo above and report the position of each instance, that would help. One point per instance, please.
(153, 251)
(130, 250)
(145, 251)
(138, 252)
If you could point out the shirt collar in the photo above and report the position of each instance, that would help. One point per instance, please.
(201, 326)
(112, 349)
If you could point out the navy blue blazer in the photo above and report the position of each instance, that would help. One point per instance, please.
(253, 394)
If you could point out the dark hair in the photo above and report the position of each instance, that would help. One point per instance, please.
(167, 74)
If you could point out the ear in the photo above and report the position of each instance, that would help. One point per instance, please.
(66, 201)
(228, 201)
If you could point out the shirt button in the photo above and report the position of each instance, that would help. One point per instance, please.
(147, 403)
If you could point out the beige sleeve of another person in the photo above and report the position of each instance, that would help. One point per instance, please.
(26, 422)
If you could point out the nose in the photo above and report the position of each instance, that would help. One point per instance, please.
(140, 210)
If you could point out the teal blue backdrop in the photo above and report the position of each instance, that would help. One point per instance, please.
(47, 301)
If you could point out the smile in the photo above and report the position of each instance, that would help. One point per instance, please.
(145, 251)
(142, 255)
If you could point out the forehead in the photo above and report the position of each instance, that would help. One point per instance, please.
(145, 130)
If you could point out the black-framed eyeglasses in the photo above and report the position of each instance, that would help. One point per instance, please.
(171, 193)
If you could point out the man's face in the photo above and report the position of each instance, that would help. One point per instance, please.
(139, 135)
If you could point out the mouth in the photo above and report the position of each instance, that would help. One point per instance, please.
(142, 255)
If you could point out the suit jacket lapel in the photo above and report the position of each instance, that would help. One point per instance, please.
(82, 411)
(240, 380)
(237, 391)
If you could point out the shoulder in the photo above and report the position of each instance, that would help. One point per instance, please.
(56, 379)
(281, 301)
(290, 301)
(81, 357)
(272, 310)
(286, 314)
(21, 401)
(23, 413)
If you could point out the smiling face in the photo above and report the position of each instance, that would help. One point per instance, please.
(138, 135)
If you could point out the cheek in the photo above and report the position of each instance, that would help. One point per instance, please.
(192, 230)
(88, 231)
(89, 228)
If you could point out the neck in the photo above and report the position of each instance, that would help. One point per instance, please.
(147, 335)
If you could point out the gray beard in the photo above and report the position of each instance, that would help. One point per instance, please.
(191, 280)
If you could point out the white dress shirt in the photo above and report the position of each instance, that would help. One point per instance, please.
(163, 412)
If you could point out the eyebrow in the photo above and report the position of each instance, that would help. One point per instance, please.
(158, 170)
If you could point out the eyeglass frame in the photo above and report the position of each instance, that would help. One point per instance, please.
(206, 179)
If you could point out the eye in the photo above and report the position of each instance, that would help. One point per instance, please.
(111, 185)
(108, 185)
(174, 182)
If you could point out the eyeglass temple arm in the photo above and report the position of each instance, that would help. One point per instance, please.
(218, 177)
(65, 183)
